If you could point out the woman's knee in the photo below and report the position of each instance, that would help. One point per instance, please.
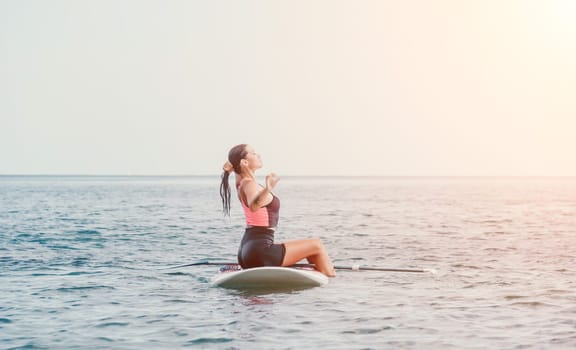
(317, 242)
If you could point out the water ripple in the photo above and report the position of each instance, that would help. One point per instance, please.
(78, 255)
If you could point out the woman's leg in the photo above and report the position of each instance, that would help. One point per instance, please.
(310, 249)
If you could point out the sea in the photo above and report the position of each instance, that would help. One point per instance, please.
(91, 262)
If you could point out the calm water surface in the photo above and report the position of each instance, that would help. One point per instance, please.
(82, 258)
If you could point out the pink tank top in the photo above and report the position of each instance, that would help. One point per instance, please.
(266, 216)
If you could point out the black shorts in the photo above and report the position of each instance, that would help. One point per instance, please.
(258, 248)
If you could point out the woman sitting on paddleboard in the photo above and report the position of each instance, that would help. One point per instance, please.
(261, 208)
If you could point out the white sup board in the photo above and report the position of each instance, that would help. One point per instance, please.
(269, 277)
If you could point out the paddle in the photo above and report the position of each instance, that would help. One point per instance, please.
(352, 268)
(366, 268)
(200, 263)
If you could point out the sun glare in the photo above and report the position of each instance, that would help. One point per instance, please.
(557, 17)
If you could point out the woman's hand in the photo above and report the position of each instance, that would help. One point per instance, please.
(271, 181)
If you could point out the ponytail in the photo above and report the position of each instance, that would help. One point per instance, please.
(236, 154)
(225, 193)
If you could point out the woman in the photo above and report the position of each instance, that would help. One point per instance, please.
(261, 208)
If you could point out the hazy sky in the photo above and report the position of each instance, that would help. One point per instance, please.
(317, 87)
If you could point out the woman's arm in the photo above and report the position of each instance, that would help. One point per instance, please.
(258, 197)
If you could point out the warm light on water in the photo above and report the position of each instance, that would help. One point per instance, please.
(80, 260)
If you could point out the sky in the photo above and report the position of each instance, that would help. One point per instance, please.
(390, 88)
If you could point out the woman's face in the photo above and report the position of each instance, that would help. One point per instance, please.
(252, 158)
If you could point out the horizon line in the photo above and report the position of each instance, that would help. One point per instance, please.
(292, 175)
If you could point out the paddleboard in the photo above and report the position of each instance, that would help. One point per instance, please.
(269, 277)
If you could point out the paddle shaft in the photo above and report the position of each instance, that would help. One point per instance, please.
(360, 268)
(352, 268)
